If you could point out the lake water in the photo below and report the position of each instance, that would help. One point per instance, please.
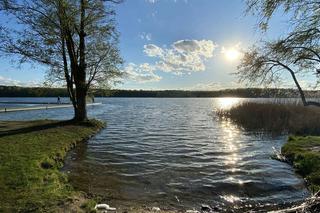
(175, 153)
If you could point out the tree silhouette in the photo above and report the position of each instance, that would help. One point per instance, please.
(76, 39)
(295, 53)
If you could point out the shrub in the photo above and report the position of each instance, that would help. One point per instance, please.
(275, 117)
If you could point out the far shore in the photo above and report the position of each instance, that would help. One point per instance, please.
(251, 92)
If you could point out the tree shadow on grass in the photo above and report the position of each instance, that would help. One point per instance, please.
(22, 127)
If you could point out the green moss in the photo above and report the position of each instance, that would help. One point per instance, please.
(304, 154)
(31, 154)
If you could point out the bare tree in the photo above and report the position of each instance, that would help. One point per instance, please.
(298, 52)
(268, 63)
(76, 39)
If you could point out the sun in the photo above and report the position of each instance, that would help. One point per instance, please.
(231, 54)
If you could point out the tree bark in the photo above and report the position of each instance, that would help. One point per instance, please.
(80, 78)
(302, 95)
(80, 113)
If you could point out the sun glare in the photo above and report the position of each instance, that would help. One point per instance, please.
(231, 54)
(226, 103)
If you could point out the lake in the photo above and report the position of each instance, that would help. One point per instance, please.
(175, 153)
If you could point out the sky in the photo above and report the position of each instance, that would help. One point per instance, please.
(173, 44)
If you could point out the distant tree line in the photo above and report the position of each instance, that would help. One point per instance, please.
(14, 91)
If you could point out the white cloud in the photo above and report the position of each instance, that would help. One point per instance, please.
(183, 55)
(214, 86)
(11, 82)
(151, 1)
(146, 36)
(8, 81)
(202, 48)
(142, 73)
(152, 50)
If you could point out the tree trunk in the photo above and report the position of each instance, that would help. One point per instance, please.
(81, 94)
(301, 92)
(302, 95)
(80, 72)
(80, 111)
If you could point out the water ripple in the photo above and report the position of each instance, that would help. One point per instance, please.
(155, 150)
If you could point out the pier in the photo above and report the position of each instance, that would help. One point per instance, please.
(48, 106)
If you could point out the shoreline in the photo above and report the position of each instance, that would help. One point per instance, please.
(24, 134)
(42, 107)
(31, 155)
(303, 153)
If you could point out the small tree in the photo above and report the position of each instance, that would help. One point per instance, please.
(266, 64)
(296, 53)
(76, 39)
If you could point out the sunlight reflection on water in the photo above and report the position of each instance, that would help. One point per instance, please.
(154, 150)
(230, 198)
(227, 103)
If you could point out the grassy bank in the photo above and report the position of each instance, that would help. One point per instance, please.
(275, 117)
(31, 154)
(304, 154)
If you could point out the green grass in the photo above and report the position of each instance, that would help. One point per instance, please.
(31, 154)
(304, 154)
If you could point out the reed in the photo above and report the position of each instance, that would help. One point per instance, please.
(275, 117)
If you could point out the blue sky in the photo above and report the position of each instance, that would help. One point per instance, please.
(173, 44)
